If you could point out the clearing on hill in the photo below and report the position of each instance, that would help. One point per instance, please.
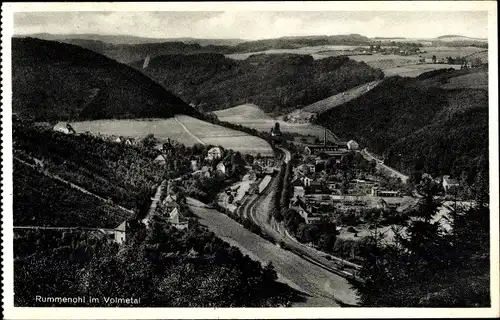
(340, 98)
(477, 80)
(249, 117)
(184, 129)
(245, 111)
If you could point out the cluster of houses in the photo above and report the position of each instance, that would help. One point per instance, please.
(315, 194)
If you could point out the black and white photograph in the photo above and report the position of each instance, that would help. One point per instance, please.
(228, 156)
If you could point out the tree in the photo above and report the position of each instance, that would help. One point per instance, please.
(434, 59)
(149, 141)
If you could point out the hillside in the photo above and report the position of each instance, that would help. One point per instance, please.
(124, 175)
(42, 201)
(247, 111)
(276, 83)
(56, 81)
(419, 125)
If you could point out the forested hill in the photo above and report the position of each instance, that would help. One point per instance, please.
(276, 83)
(420, 125)
(56, 81)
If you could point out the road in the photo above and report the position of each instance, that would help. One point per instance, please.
(380, 164)
(154, 203)
(321, 286)
(189, 132)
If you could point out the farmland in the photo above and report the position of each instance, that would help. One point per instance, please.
(184, 129)
(415, 70)
(250, 118)
(318, 52)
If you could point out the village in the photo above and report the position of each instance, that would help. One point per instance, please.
(332, 181)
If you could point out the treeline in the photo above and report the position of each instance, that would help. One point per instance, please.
(162, 267)
(277, 83)
(428, 265)
(417, 126)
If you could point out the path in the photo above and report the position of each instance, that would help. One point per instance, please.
(72, 185)
(380, 164)
(154, 204)
(189, 132)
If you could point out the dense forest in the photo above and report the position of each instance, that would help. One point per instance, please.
(418, 126)
(276, 83)
(160, 267)
(57, 81)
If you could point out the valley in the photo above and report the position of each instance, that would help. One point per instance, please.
(210, 172)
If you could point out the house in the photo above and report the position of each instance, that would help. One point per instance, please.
(257, 169)
(221, 167)
(383, 193)
(306, 181)
(352, 145)
(194, 165)
(381, 204)
(205, 170)
(298, 191)
(175, 219)
(171, 198)
(161, 159)
(299, 205)
(117, 234)
(129, 142)
(214, 153)
(64, 128)
(317, 187)
(119, 139)
(312, 150)
(307, 168)
(449, 183)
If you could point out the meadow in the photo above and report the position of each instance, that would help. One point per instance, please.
(184, 129)
(340, 98)
(415, 70)
(251, 116)
(315, 51)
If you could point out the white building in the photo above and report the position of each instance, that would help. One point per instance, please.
(221, 167)
(449, 183)
(64, 128)
(214, 153)
(352, 145)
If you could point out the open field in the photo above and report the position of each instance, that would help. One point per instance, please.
(477, 80)
(184, 129)
(338, 99)
(415, 70)
(315, 51)
(249, 118)
(443, 52)
(245, 111)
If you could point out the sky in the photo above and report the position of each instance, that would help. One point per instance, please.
(253, 25)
